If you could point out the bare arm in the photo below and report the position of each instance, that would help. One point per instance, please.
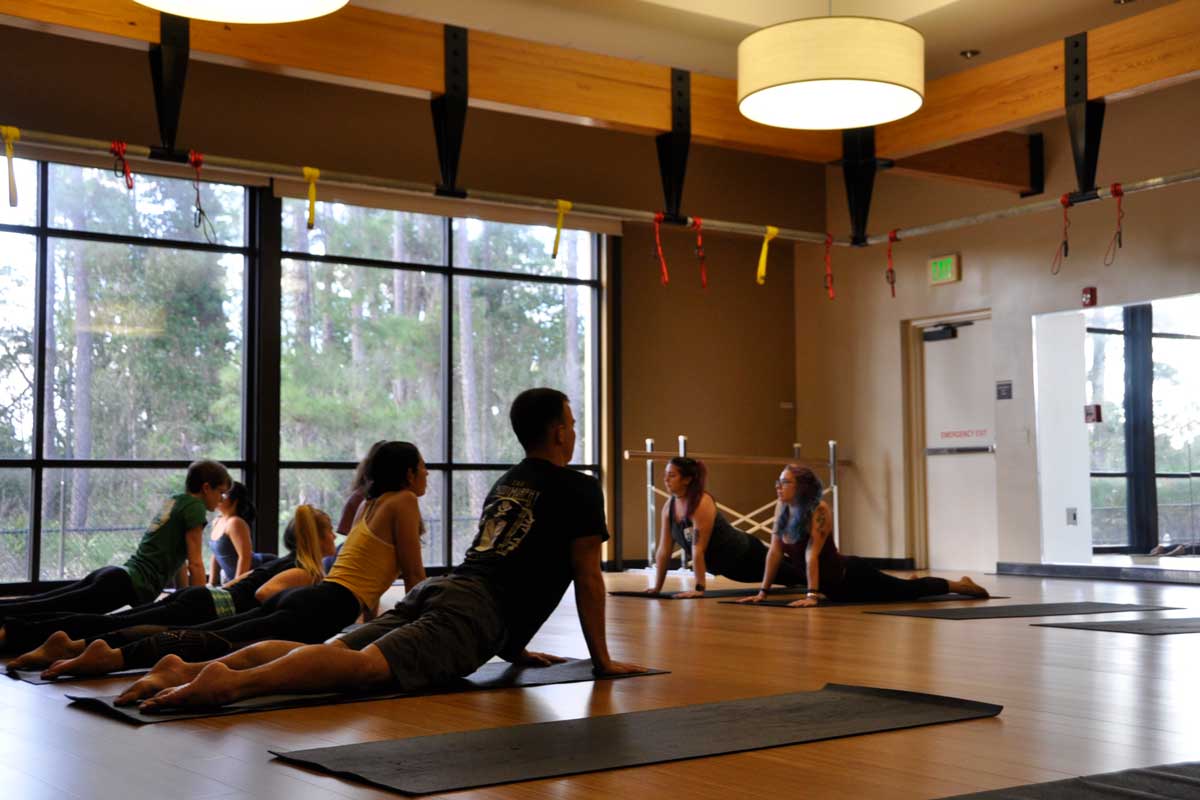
(239, 533)
(702, 520)
(818, 534)
(662, 553)
(406, 537)
(589, 601)
(195, 558)
(774, 557)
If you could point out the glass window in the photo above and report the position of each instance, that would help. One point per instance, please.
(1178, 507)
(18, 271)
(96, 517)
(510, 336)
(1108, 317)
(1104, 356)
(1110, 517)
(504, 247)
(345, 230)
(144, 349)
(25, 212)
(1179, 315)
(360, 360)
(1176, 405)
(96, 200)
(470, 489)
(14, 525)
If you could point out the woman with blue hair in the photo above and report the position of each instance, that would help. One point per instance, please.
(804, 535)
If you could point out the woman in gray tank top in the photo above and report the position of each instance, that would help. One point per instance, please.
(691, 521)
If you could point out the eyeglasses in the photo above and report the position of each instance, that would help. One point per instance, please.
(780, 484)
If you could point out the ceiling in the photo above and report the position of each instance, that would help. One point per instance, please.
(702, 35)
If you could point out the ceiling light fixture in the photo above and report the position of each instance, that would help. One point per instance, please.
(826, 73)
(246, 11)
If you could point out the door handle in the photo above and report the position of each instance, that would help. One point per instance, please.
(959, 451)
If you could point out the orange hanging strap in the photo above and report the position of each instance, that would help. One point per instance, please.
(201, 220)
(698, 225)
(562, 207)
(10, 134)
(1115, 244)
(662, 260)
(1064, 248)
(311, 176)
(893, 236)
(829, 264)
(120, 164)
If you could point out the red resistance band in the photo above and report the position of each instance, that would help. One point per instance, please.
(1064, 248)
(120, 165)
(698, 224)
(893, 236)
(1110, 255)
(662, 260)
(829, 264)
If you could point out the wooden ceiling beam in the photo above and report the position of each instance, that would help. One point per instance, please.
(999, 161)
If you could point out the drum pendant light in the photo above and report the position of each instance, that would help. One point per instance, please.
(827, 73)
(246, 11)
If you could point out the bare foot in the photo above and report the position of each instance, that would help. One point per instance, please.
(169, 671)
(98, 659)
(58, 646)
(216, 685)
(965, 585)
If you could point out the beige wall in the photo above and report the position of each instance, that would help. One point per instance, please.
(855, 341)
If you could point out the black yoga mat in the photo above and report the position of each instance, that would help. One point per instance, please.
(933, 598)
(34, 676)
(1147, 627)
(1030, 610)
(709, 593)
(1164, 782)
(453, 761)
(495, 675)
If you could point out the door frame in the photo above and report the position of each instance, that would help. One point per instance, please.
(912, 359)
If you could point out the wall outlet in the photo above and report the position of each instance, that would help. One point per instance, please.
(1072, 516)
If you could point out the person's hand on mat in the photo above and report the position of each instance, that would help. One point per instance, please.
(528, 658)
(758, 598)
(616, 668)
(686, 595)
(653, 592)
(805, 602)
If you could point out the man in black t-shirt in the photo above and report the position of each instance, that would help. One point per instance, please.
(542, 527)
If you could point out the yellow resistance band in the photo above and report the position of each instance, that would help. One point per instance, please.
(312, 175)
(772, 232)
(10, 134)
(563, 207)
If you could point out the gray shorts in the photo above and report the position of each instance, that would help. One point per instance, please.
(445, 628)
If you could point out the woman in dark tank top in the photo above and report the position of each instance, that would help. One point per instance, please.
(804, 535)
(691, 521)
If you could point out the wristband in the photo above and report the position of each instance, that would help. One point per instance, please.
(699, 587)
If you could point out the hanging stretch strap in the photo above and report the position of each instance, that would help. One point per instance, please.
(563, 207)
(1064, 247)
(1115, 244)
(698, 225)
(662, 260)
(10, 134)
(761, 276)
(200, 220)
(120, 164)
(312, 175)
(829, 264)
(893, 236)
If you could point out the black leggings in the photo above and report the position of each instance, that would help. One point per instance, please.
(751, 565)
(864, 583)
(101, 591)
(307, 614)
(190, 606)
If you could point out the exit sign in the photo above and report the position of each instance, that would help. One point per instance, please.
(944, 269)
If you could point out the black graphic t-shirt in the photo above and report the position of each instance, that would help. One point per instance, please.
(522, 550)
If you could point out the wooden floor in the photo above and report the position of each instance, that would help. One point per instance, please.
(1075, 702)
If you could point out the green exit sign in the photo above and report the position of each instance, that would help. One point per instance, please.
(944, 269)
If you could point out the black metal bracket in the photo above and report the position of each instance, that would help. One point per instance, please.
(450, 111)
(673, 146)
(859, 166)
(1037, 165)
(168, 71)
(1085, 118)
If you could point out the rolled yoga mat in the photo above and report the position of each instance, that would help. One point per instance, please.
(934, 598)
(493, 675)
(1164, 782)
(468, 759)
(1162, 626)
(1030, 610)
(709, 593)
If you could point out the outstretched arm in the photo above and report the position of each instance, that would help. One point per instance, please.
(239, 533)
(702, 520)
(589, 600)
(195, 558)
(770, 570)
(662, 553)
